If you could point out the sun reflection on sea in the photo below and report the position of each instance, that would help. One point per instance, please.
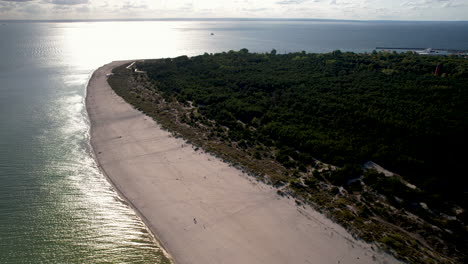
(90, 44)
(84, 201)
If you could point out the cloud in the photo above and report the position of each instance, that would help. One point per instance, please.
(9, 6)
(31, 9)
(296, 2)
(5, 8)
(67, 2)
(291, 2)
(129, 5)
(83, 9)
(254, 9)
(341, 3)
(453, 3)
(430, 3)
(333, 9)
(187, 7)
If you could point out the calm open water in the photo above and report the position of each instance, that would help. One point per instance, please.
(55, 205)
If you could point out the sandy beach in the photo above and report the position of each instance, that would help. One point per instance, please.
(199, 208)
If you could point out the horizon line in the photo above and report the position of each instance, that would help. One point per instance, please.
(218, 19)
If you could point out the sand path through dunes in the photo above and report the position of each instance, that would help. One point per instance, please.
(202, 210)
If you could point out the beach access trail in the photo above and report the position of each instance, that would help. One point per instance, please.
(200, 209)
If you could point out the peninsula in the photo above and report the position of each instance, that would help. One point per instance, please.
(201, 209)
(369, 140)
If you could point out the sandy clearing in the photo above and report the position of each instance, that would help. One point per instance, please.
(199, 208)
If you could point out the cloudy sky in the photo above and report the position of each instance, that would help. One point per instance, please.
(329, 9)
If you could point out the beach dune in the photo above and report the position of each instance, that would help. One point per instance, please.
(199, 208)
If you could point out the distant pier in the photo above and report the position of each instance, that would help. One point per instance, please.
(438, 51)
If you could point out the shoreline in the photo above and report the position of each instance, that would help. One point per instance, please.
(120, 194)
(200, 209)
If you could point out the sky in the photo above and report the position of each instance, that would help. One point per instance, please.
(434, 10)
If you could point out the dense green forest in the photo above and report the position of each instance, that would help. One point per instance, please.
(340, 109)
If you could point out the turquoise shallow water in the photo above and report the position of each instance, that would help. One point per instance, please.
(55, 204)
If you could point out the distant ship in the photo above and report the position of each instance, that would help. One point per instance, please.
(212, 34)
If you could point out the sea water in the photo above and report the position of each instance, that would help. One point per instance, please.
(55, 204)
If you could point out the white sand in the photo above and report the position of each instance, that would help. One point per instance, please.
(201, 209)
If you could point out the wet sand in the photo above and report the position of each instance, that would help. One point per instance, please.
(199, 208)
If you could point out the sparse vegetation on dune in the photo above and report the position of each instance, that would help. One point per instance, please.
(310, 123)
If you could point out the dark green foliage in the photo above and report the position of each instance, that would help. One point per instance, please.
(341, 108)
(311, 182)
(391, 186)
(354, 186)
(372, 177)
(345, 174)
